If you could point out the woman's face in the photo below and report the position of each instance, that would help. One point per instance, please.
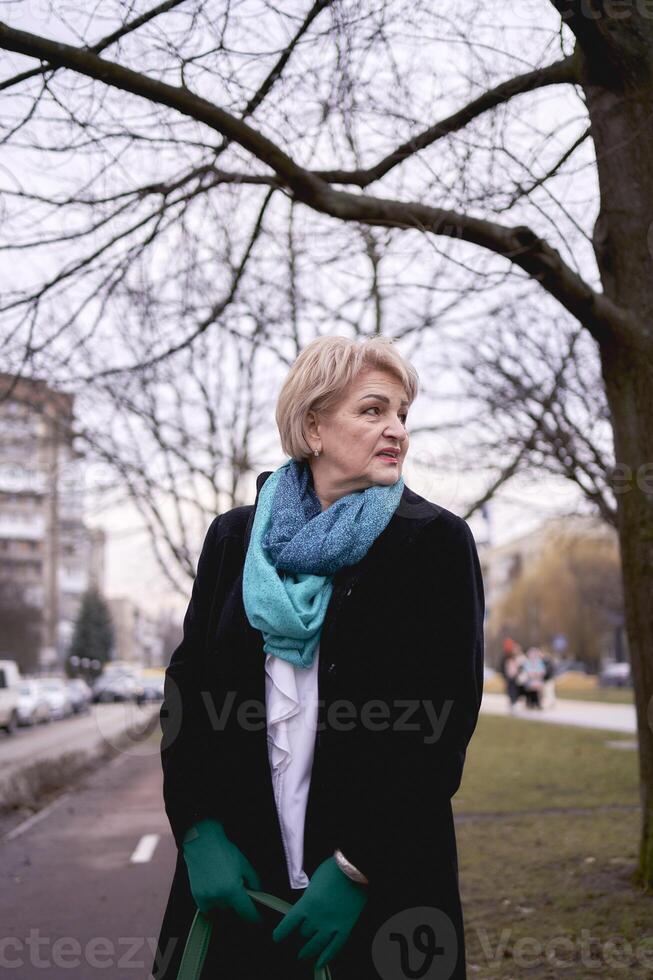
(371, 416)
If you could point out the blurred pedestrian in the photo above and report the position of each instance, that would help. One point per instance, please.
(548, 698)
(513, 670)
(535, 669)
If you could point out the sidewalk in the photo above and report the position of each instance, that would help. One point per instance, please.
(584, 714)
(36, 760)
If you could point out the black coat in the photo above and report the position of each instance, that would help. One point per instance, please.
(403, 629)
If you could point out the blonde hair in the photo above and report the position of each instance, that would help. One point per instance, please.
(319, 376)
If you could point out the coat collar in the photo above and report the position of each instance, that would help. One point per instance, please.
(411, 514)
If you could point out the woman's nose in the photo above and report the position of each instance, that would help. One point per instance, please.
(395, 430)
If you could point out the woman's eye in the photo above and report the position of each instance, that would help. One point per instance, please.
(375, 408)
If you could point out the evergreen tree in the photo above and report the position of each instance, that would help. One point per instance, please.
(93, 637)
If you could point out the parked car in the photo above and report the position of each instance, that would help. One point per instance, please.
(152, 687)
(57, 695)
(33, 706)
(616, 675)
(117, 685)
(10, 681)
(80, 695)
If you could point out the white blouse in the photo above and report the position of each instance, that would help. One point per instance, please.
(291, 696)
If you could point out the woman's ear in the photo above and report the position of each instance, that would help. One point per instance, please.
(311, 424)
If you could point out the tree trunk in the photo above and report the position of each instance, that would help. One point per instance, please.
(629, 384)
(623, 135)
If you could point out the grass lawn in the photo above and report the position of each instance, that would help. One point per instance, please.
(547, 823)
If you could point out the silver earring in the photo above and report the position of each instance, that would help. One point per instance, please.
(316, 452)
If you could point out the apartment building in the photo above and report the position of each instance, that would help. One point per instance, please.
(138, 635)
(48, 555)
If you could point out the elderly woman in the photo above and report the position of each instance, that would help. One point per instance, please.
(318, 709)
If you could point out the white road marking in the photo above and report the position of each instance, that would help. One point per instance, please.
(35, 818)
(145, 849)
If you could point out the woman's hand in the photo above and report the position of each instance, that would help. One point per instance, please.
(326, 913)
(218, 871)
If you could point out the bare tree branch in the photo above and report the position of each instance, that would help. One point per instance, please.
(217, 309)
(175, 97)
(558, 73)
(520, 245)
(551, 172)
(102, 45)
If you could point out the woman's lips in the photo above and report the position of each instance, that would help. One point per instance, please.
(387, 459)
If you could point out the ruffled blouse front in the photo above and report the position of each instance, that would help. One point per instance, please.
(291, 700)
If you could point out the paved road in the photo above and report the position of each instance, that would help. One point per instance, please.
(73, 905)
(584, 714)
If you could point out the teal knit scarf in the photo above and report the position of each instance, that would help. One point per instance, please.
(294, 550)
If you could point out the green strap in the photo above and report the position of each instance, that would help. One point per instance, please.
(199, 938)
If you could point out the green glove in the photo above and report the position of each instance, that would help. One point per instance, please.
(217, 870)
(327, 912)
